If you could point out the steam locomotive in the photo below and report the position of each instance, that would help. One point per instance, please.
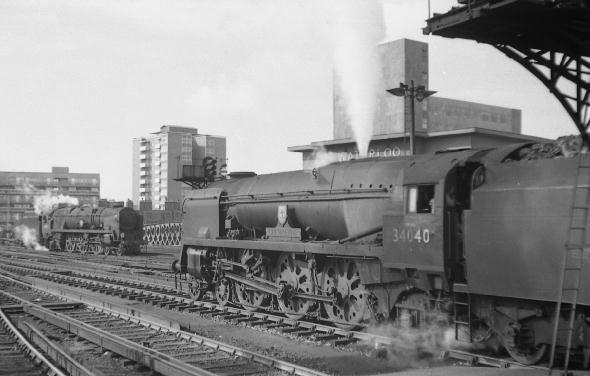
(82, 229)
(473, 236)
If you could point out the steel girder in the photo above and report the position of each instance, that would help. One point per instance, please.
(553, 69)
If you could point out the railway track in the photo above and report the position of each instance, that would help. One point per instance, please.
(146, 261)
(18, 356)
(167, 298)
(162, 349)
(91, 268)
(32, 354)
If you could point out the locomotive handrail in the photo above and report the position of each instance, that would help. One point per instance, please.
(307, 192)
(81, 230)
(307, 199)
(296, 197)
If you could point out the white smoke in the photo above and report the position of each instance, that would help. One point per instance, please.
(322, 157)
(49, 201)
(28, 236)
(45, 201)
(415, 347)
(358, 28)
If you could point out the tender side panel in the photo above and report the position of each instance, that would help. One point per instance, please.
(516, 232)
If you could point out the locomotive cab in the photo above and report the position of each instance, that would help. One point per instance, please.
(434, 197)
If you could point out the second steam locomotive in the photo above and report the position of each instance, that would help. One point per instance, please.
(474, 236)
(83, 229)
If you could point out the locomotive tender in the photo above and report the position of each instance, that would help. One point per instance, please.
(476, 236)
(83, 229)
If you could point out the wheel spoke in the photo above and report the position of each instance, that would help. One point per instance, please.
(341, 280)
(295, 277)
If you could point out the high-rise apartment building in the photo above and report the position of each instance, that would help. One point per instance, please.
(161, 157)
(19, 189)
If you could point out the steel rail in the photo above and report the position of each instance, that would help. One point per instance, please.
(328, 330)
(154, 359)
(83, 261)
(55, 352)
(486, 360)
(131, 262)
(35, 354)
(131, 278)
(160, 326)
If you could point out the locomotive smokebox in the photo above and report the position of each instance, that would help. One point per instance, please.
(127, 219)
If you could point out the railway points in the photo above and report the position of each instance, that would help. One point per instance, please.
(162, 348)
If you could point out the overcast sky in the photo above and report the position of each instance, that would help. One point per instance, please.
(80, 79)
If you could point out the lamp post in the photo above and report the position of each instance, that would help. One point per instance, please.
(418, 93)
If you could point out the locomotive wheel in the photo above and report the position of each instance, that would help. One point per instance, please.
(521, 346)
(80, 247)
(223, 291)
(70, 245)
(195, 288)
(250, 299)
(527, 356)
(54, 246)
(296, 277)
(99, 249)
(120, 250)
(341, 280)
(92, 248)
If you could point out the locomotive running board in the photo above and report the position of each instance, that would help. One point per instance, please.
(484, 360)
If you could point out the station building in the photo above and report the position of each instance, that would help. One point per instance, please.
(172, 153)
(440, 123)
(19, 189)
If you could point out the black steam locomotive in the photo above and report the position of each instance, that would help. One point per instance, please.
(474, 236)
(117, 231)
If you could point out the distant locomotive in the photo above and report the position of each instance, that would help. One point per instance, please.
(84, 229)
(474, 236)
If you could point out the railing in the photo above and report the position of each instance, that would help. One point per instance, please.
(163, 234)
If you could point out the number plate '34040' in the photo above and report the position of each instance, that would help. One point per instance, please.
(409, 234)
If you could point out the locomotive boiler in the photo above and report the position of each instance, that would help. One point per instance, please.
(84, 229)
(475, 237)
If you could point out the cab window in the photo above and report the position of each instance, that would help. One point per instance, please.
(420, 199)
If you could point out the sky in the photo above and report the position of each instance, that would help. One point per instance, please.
(79, 80)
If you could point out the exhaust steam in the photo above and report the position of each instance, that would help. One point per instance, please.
(28, 236)
(358, 28)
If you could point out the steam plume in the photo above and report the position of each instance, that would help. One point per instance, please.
(29, 237)
(49, 201)
(358, 29)
(415, 347)
(45, 201)
(322, 157)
